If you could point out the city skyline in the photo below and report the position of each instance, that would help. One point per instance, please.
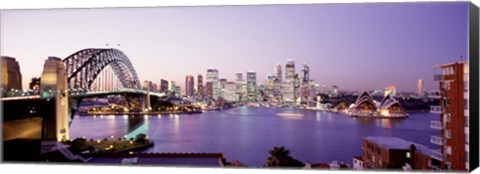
(398, 44)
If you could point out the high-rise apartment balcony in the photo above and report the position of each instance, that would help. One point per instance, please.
(434, 124)
(436, 109)
(438, 77)
(436, 140)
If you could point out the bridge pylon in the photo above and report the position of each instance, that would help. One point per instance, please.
(54, 86)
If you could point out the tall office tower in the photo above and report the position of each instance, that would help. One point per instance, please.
(305, 73)
(239, 77)
(290, 70)
(296, 89)
(304, 83)
(163, 85)
(230, 91)
(200, 85)
(189, 85)
(269, 83)
(222, 83)
(334, 92)
(288, 92)
(147, 85)
(454, 116)
(209, 89)
(212, 76)
(241, 87)
(177, 91)
(154, 87)
(239, 81)
(11, 76)
(420, 87)
(251, 86)
(171, 86)
(222, 87)
(278, 73)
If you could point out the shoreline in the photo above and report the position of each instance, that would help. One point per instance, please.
(138, 113)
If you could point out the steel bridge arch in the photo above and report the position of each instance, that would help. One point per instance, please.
(85, 65)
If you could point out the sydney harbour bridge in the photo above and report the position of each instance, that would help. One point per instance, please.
(88, 73)
(100, 69)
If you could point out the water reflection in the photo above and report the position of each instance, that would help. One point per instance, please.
(176, 124)
(318, 117)
(137, 125)
(246, 134)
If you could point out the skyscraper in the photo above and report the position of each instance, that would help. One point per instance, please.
(163, 85)
(269, 81)
(147, 85)
(171, 86)
(290, 70)
(230, 91)
(241, 87)
(278, 73)
(454, 116)
(209, 89)
(252, 86)
(221, 87)
(420, 88)
(239, 76)
(11, 76)
(189, 85)
(296, 87)
(304, 83)
(199, 85)
(153, 87)
(212, 76)
(305, 73)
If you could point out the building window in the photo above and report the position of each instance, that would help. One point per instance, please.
(465, 86)
(446, 85)
(466, 121)
(447, 102)
(466, 139)
(466, 156)
(465, 103)
(408, 154)
(448, 134)
(447, 118)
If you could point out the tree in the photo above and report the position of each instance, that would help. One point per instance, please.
(280, 157)
(79, 145)
(141, 138)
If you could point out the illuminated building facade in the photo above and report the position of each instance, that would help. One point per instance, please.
(189, 86)
(11, 76)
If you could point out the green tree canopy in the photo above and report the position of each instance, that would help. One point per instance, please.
(280, 157)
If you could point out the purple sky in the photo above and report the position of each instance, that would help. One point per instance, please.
(353, 46)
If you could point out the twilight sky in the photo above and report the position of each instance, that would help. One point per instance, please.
(354, 46)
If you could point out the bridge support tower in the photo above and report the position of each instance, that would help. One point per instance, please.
(54, 86)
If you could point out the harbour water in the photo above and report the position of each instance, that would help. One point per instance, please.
(247, 134)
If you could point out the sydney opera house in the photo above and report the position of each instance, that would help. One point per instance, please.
(367, 106)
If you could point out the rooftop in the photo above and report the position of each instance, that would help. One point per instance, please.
(398, 144)
(166, 159)
(360, 158)
(450, 64)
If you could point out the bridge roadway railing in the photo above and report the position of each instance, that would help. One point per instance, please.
(122, 90)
